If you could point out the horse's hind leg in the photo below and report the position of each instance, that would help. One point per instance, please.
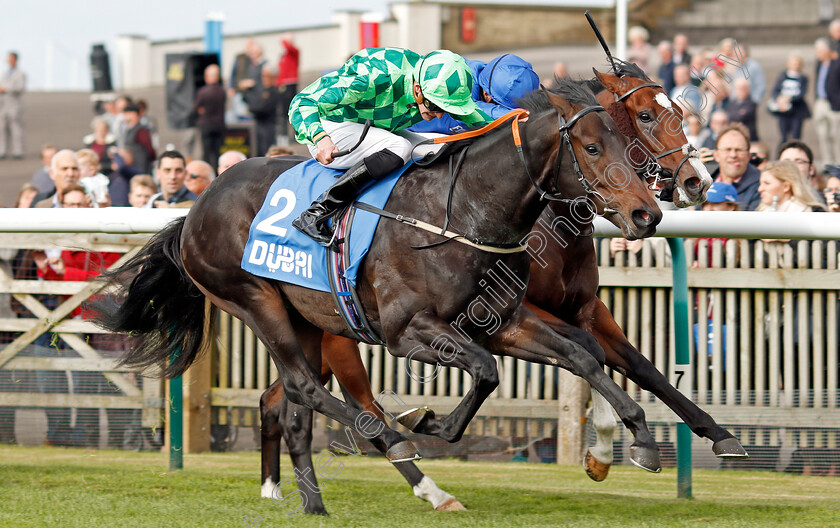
(342, 356)
(271, 434)
(268, 317)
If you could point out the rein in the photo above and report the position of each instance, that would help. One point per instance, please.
(514, 116)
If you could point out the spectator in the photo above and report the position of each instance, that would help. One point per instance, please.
(560, 72)
(681, 54)
(199, 176)
(64, 171)
(834, 34)
(720, 197)
(257, 62)
(827, 102)
(121, 175)
(684, 93)
(802, 155)
(41, 179)
(788, 99)
(26, 195)
(263, 101)
(12, 84)
(694, 131)
(229, 159)
(717, 122)
(149, 122)
(277, 151)
(639, 50)
(697, 67)
(831, 192)
(238, 74)
(759, 154)
(101, 141)
(716, 91)
(138, 139)
(732, 153)
(757, 79)
(783, 189)
(287, 84)
(742, 108)
(118, 126)
(94, 182)
(666, 66)
(209, 106)
(171, 173)
(142, 189)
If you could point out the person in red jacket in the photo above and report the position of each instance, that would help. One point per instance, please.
(85, 266)
(287, 84)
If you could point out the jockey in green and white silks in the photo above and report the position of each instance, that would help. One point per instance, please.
(394, 88)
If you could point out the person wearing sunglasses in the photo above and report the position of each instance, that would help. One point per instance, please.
(393, 88)
(497, 85)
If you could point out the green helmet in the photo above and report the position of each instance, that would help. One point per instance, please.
(446, 80)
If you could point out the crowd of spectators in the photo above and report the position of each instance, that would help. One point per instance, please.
(722, 91)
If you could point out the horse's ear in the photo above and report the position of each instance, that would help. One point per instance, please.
(561, 104)
(609, 80)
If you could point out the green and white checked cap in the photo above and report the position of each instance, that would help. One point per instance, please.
(446, 80)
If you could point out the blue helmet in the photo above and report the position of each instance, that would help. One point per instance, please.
(508, 78)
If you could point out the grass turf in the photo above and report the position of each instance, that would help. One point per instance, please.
(42, 487)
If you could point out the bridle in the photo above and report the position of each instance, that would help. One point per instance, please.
(563, 127)
(662, 175)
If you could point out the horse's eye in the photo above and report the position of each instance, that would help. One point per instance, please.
(645, 117)
(591, 149)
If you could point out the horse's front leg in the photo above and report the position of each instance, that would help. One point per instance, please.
(431, 340)
(623, 356)
(527, 337)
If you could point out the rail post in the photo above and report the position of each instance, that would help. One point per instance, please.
(176, 421)
(682, 362)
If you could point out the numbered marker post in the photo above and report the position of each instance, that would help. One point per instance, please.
(682, 362)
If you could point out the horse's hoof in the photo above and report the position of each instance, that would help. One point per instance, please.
(413, 418)
(402, 452)
(729, 448)
(646, 458)
(452, 504)
(595, 469)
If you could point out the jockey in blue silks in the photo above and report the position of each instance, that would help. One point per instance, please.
(498, 84)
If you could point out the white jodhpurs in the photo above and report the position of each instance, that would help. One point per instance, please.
(347, 134)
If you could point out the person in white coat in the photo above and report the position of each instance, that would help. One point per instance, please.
(12, 84)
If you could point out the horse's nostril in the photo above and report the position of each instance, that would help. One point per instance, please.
(642, 218)
(693, 183)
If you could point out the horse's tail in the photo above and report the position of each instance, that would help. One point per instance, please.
(158, 304)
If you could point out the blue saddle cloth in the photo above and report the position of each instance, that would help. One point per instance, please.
(278, 251)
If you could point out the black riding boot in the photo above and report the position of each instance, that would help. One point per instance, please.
(314, 222)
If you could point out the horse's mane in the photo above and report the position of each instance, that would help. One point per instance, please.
(535, 103)
(572, 91)
(621, 69)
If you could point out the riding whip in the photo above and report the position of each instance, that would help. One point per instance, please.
(600, 39)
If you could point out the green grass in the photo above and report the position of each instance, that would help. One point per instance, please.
(42, 487)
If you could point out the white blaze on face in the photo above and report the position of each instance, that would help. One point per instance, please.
(663, 100)
(701, 170)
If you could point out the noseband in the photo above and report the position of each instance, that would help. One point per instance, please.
(662, 175)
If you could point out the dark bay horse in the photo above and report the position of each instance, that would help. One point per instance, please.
(410, 302)
(568, 293)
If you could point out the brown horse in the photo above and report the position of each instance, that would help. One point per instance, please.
(642, 111)
(499, 196)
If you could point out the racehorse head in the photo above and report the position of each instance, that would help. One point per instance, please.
(645, 113)
(595, 176)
